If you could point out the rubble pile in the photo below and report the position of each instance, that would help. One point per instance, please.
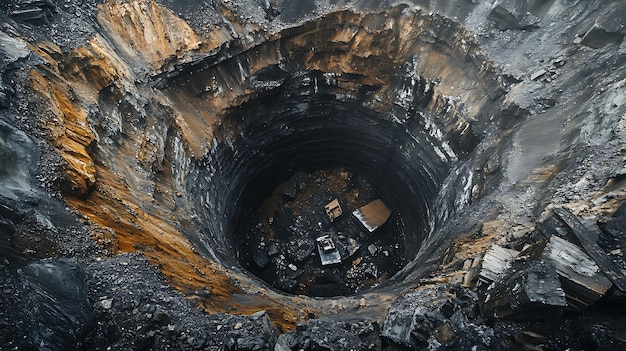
(319, 334)
(561, 267)
(304, 238)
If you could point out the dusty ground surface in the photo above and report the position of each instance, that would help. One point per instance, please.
(111, 237)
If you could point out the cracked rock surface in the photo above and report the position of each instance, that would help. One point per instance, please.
(149, 151)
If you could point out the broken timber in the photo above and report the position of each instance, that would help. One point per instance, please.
(584, 236)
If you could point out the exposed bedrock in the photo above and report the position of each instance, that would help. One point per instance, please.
(354, 91)
(152, 151)
(401, 97)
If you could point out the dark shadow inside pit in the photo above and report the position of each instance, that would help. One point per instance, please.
(399, 100)
(305, 133)
(278, 242)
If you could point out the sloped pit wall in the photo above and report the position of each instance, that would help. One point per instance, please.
(402, 96)
(164, 147)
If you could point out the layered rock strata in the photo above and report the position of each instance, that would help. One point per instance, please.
(162, 126)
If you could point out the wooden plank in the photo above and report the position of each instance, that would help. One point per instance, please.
(584, 236)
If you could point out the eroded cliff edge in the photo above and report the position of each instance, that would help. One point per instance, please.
(153, 123)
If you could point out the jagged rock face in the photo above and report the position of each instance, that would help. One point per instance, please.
(352, 90)
(198, 133)
(164, 126)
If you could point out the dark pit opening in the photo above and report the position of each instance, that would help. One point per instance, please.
(402, 101)
(296, 149)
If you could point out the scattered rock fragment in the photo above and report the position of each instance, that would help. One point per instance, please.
(106, 304)
(34, 11)
(597, 37)
(533, 292)
(495, 262)
(512, 14)
(587, 239)
(332, 336)
(538, 74)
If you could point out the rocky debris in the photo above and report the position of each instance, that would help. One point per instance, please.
(495, 262)
(299, 248)
(588, 241)
(615, 238)
(41, 226)
(607, 28)
(547, 74)
(559, 333)
(538, 74)
(33, 10)
(512, 14)
(12, 49)
(294, 221)
(579, 276)
(598, 37)
(532, 292)
(331, 335)
(552, 275)
(134, 308)
(439, 317)
(64, 23)
(410, 322)
(120, 303)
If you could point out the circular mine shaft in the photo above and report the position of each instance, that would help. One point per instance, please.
(338, 175)
(358, 109)
(299, 148)
(304, 153)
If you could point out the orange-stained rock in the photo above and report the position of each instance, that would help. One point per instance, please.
(146, 31)
(136, 197)
(95, 64)
(68, 132)
(112, 207)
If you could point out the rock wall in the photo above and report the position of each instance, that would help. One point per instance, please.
(151, 128)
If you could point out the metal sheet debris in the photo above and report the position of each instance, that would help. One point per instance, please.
(373, 215)
(327, 250)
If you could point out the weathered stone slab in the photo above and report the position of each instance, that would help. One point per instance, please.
(495, 262)
(584, 235)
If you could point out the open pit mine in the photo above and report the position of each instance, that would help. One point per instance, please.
(312, 175)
